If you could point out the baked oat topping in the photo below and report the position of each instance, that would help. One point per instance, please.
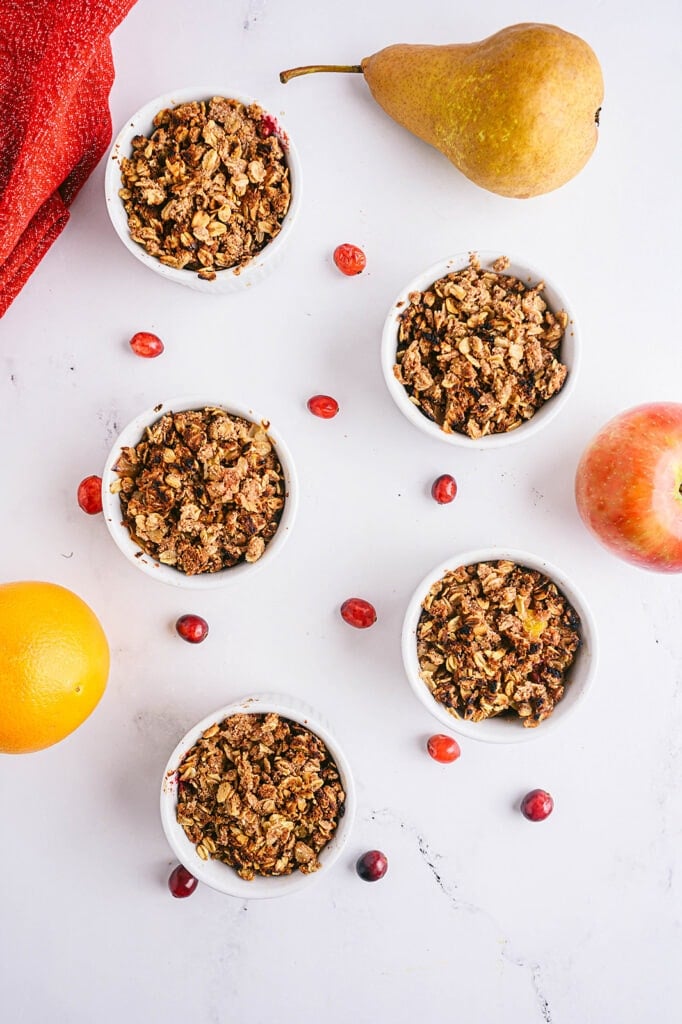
(478, 351)
(496, 638)
(202, 490)
(261, 793)
(210, 187)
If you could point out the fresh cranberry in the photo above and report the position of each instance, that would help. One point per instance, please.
(537, 805)
(268, 126)
(323, 406)
(358, 612)
(192, 628)
(90, 495)
(443, 748)
(147, 345)
(372, 866)
(181, 883)
(349, 259)
(444, 489)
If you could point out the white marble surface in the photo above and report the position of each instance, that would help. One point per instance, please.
(482, 917)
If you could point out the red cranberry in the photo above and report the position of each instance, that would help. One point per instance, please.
(444, 489)
(323, 406)
(90, 495)
(181, 883)
(192, 628)
(359, 613)
(537, 805)
(372, 866)
(349, 259)
(268, 126)
(147, 345)
(443, 749)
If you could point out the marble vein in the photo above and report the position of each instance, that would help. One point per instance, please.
(449, 889)
(254, 13)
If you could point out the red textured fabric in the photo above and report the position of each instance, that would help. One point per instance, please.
(56, 72)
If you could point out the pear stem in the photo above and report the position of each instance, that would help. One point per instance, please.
(311, 69)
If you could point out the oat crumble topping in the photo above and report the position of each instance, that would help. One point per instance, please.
(496, 638)
(260, 793)
(210, 187)
(202, 491)
(478, 351)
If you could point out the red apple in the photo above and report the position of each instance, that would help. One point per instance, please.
(629, 486)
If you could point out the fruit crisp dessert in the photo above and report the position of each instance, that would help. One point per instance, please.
(210, 187)
(478, 351)
(260, 793)
(202, 491)
(496, 638)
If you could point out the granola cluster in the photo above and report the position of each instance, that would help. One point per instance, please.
(478, 351)
(202, 491)
(261, 793)
(497, 638)
(210, 187)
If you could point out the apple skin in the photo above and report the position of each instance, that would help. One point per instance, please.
(628, 486)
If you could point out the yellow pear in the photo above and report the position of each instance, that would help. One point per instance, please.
(517, 113)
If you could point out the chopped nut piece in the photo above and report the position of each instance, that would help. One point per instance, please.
(219, 505)
(478, 352)
(496, 638)
(209, 189)
(260, 793)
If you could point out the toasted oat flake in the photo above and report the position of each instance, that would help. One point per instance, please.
(209, 188)
(202, 491)
(496, 638)
(260, 793)
(478, 351)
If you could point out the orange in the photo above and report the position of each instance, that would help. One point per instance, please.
(54, 663)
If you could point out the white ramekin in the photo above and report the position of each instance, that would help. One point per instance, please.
(111, 504)
(221, 876)
(504, 730)
(226, 280)
(570, 350)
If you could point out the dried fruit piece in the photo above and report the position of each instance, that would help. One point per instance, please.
(192, 628)
(90, 495)
(443, 749)
(372, 866)
(146, 345)
(537, 805)
(323, 406)
(358, 612)
(349, 259)
(181, 883)
(444, 489)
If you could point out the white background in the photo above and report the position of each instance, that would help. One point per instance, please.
(482, 916)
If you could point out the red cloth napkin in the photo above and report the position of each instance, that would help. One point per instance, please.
(56, 71)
